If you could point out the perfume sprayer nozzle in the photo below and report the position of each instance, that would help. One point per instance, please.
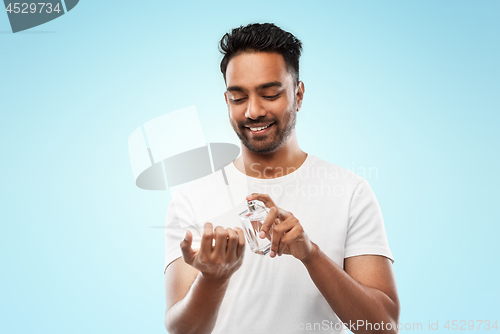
(251, 205)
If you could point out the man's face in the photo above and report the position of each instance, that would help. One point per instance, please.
(262, 100)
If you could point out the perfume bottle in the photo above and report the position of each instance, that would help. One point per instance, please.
(252, 219)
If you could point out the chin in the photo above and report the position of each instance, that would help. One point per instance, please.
(270, 148)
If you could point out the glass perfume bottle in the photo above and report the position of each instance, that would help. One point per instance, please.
(252, 219)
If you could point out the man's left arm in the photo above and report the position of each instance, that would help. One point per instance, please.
(364, 291)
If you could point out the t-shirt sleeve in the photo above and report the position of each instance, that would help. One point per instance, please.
(366, 231)
(180, 218)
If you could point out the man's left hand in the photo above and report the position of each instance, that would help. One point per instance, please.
(288, 237)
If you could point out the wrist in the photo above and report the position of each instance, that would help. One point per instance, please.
(213, 281)
(313, 255)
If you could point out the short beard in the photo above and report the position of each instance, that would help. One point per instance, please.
(282, 137)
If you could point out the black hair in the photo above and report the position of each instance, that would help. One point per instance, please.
(261, 37)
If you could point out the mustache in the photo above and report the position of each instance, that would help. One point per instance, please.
(258, 121)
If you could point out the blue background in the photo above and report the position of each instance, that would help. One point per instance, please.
(410, 89)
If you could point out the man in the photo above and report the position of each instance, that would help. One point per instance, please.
(329, 263)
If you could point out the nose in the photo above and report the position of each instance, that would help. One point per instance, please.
(254, 109)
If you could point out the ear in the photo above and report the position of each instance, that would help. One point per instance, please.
(299, 96)
(225, 97)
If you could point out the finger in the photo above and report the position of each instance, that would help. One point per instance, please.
(268, 222)
(283, 244)
(277, 235)
(232, 244)
(277, 232)
(220, 242)
(264, 198)
(296, 234)
(286, 225)
(206, 239)
(187, 251)
(268, 235)
(241, 242)
(281, 215)
(282, 230)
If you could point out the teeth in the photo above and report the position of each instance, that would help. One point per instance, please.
(261, 128)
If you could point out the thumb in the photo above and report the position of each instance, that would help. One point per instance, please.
(187, 251)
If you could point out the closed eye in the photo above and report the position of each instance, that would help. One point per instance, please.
(272, 97)
(269, 97)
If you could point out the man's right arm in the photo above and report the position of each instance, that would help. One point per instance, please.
(195, 284)
(192, 301)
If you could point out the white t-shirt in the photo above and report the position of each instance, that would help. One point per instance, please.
(338, 211)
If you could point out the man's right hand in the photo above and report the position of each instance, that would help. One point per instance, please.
(220, 261)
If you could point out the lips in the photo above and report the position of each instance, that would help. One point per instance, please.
(259, 129)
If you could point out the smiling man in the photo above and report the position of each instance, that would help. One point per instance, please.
(258, 133)
(330, 262)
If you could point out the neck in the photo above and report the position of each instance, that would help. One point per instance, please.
(283, 161)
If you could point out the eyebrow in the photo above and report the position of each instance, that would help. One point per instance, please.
(260, 87)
